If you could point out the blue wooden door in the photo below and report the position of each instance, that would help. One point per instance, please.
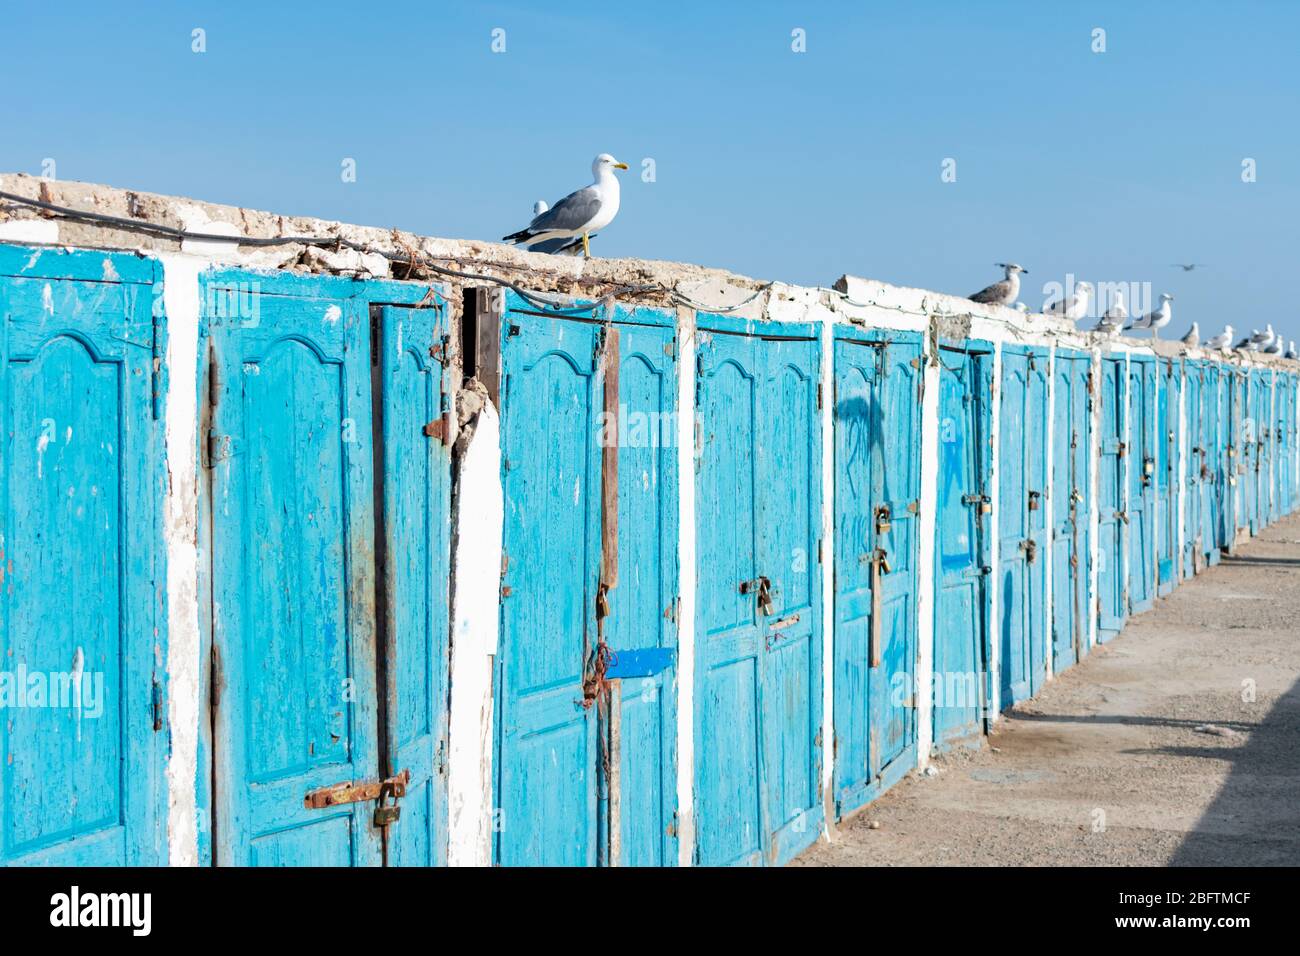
(758, 680)
(1191, 546)
(963, 548)
(1284, 417)
(642, 624)
(877, 488)
(546, 751)
(291, 460)
(1211, 473)
(1262, 396)
(82, 624)
(1141, 484)
(1241, 455)
(1112, 520)
(415, 571)
(1167, 479)
(1022, 541)
(1071, 491)
(1228, 457)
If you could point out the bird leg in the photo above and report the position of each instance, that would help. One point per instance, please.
(586, 247)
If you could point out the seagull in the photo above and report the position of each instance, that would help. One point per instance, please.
(1274, 347)
(1074, 306)
(1117, 314)
(1262, 340)
(1188, 266)
(555, 247)
(1246, 345)
(1291, 352)
(580, 213)
(1221, 340)
(1193, 336)
(1156, 319)
(1004, 292)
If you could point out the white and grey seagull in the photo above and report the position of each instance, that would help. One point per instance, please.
(1193, 336)
(1156, 319)
(580, 213)
(1291, 352)
(1222, 340)
(1004, 292)
(1074, 306)
(1114, 318)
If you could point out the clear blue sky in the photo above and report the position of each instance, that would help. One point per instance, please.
(776, 164)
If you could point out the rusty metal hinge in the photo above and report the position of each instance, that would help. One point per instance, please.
(157, 703)
(439, 428)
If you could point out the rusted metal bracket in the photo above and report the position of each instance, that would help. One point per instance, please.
(351, 792)
(439, 428)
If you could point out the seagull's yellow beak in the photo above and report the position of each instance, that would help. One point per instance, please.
(620, 165)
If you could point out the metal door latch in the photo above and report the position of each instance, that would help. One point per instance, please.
(362, 792)
(762, 587)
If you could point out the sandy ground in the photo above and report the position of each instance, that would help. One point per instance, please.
(1106, 766)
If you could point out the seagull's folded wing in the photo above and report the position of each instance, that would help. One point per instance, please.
(570, 214)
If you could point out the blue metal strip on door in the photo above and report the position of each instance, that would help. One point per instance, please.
(1141, 580)
(81, 383)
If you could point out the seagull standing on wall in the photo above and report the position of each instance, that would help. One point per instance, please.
(1004, 292)
(1193, 336)
(1074, 306)
(580, 213)
(1222, 340)
(1115, 316)
(1158, 318)
(1291, 352)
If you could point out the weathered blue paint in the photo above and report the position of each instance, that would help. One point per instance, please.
(758, 663)
(290, 453)
(1169, 381)
(547, 746)
(1071, 494)
(877, 493)
(1113, 522)
(1261, 395)
(82, 568)
(642, 626)
(1241, 453)
(553, 798)
(1286, 442)
(1142, 469)
(1022, 523)
(963, 551)
(1213, 476)
(415, 571)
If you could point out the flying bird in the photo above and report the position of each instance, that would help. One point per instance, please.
(555, 247)
(580, 213)
(1158, 318)
(1074, 306)
(1193, 336)
(1004, 292)
(1188, 266)
(1221, 340)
